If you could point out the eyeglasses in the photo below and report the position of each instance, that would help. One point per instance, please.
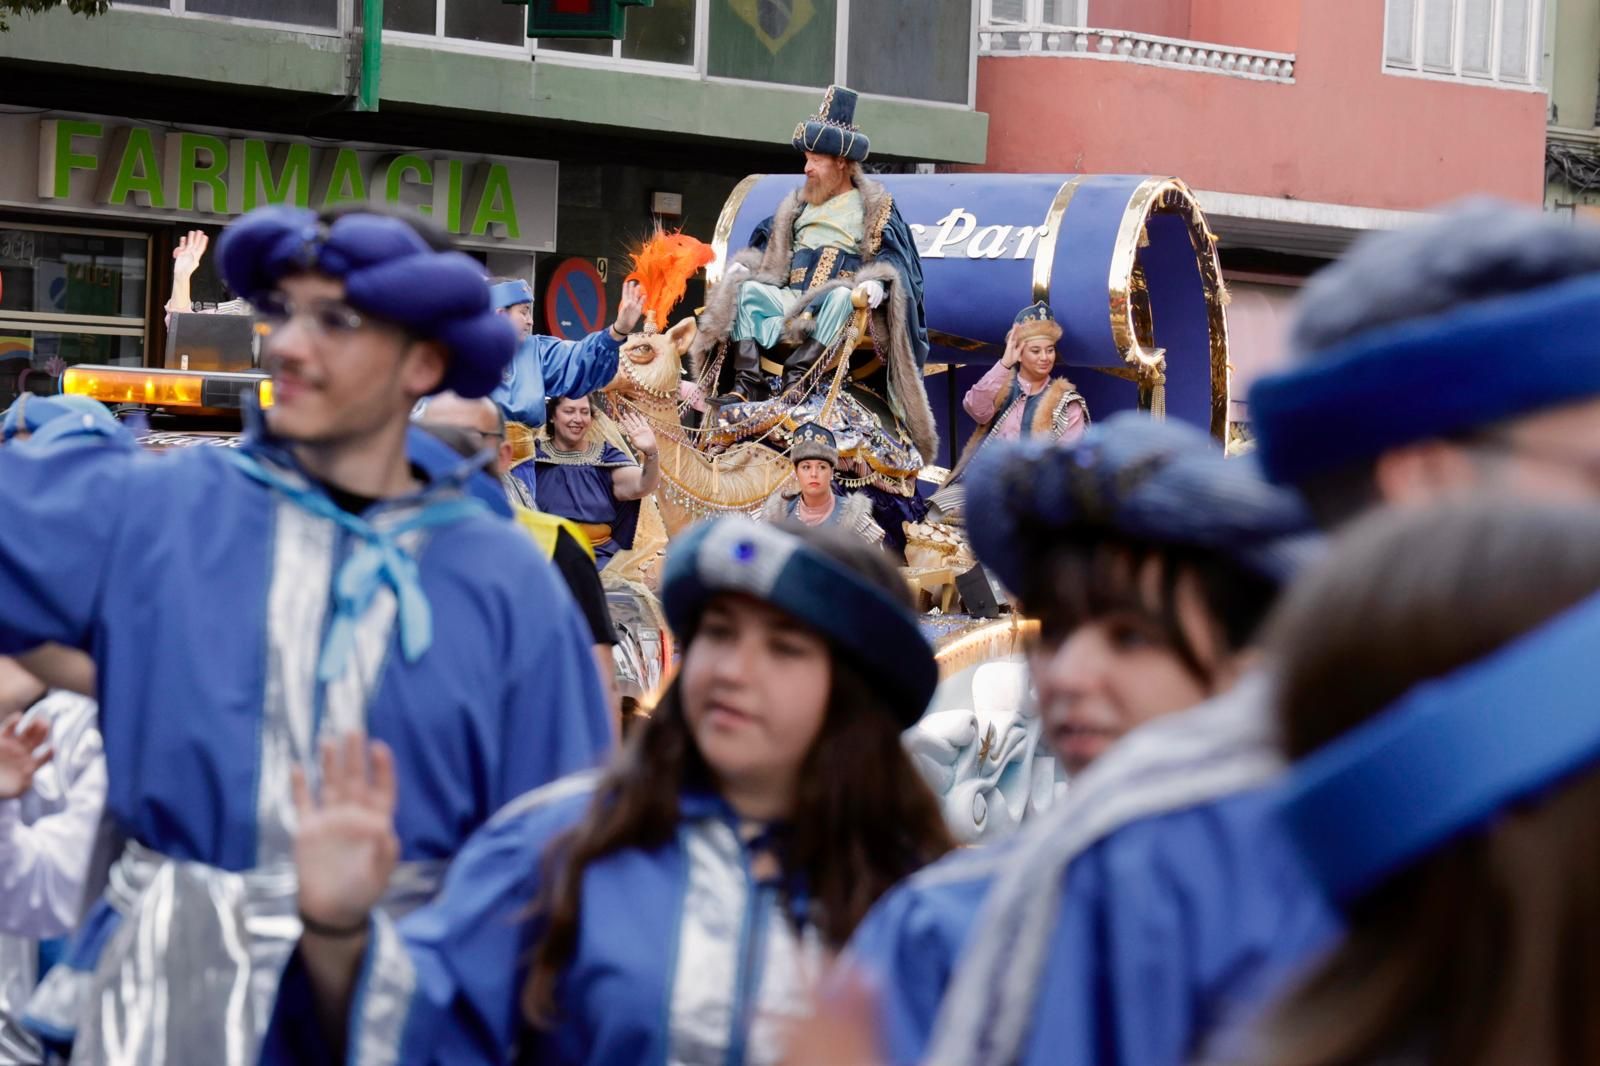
(326, 318)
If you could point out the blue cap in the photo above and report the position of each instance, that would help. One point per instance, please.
(388, 271)
(504, 294)
(777, 567)
(1133, 477)
(52, 418)
(1429, 377)
(833, 130)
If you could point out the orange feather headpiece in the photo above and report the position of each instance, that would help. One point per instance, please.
(663, 265)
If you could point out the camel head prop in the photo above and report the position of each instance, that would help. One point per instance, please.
(649, 366)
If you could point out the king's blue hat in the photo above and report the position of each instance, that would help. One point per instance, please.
(832, 130)
(1134, 478)
(773, 565)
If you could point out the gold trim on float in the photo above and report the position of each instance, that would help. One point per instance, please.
(1044, 248)
(987, 643)
(724, 230)
(1170, 195)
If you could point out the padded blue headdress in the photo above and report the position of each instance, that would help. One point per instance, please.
(833, 130)
(1130, 476)
(777, 567)
(388, 271)
(1448, 756)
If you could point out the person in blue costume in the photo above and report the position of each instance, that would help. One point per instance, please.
(1440, 709)
(325, 577)
(546, 367)
(1150, 561)
(589, 481)
(837, 236)
(678, 907)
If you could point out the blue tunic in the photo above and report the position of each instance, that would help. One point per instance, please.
(682, 956)
(204, 596)
(1170, 930)
(549, 366)
(583, 493)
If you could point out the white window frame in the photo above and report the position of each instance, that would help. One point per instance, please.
(1034, 15)
(696, 69)
(1532, 80)
(342, 28)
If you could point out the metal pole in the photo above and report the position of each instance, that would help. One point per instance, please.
(371, 54)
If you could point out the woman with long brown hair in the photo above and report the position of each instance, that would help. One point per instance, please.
(1437, 693)
(677, 907)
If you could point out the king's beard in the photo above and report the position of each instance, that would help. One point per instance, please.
(816, 193)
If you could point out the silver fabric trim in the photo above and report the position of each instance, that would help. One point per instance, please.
(707, 974)
(574, 784)
(196, 961)
(60, 998)
(744, 557)
(297, 608)
(383, 999)
(18, 1047)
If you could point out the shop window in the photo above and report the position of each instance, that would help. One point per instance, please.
(789, 44)
(918, 49)
(67, 297)
(1482, 39)
(323, 14)
(662, 33)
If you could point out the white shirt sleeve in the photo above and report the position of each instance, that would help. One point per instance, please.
(46, 835)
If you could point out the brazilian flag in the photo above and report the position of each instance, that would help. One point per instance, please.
(788, 42)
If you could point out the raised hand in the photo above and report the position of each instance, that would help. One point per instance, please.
(631, 308)
(1011, 356)
(345, 847)
(639, 434)
(21, 753)
(191, 248)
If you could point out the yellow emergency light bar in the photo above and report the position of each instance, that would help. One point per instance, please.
(166, 388)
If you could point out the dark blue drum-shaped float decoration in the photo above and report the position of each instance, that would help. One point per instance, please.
(1127, 262)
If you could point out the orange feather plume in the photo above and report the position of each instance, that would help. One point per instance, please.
(663, 265)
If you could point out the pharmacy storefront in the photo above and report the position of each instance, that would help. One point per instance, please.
(91, 208)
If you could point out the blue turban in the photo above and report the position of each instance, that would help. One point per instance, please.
(52, 418)
(388, 271)
(862, 621)
(1135, 478)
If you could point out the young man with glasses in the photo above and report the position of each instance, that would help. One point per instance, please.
(246, 606)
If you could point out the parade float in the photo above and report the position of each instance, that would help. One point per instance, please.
(1131, 270)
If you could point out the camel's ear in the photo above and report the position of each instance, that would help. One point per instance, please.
(682, 335)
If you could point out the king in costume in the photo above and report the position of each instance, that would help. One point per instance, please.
(792, 284)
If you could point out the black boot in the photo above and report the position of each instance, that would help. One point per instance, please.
(749, 383)
(800, 360)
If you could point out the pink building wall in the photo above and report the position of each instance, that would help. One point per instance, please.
(1344, 132)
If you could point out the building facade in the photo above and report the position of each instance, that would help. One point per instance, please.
(1300, 124)
(547, 159)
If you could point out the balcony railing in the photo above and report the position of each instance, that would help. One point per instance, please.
(1125, 45)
